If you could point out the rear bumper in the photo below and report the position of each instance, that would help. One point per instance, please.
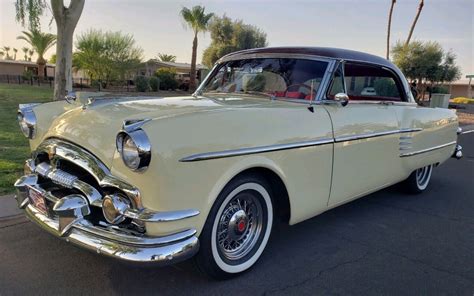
(156, 250)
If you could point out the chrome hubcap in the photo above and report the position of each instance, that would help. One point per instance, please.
(423, 176)
(240, 226)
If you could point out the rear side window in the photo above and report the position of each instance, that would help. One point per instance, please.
(371, 83)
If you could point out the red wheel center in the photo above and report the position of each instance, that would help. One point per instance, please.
(241, 226)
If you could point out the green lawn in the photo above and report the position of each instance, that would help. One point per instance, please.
(14, 147)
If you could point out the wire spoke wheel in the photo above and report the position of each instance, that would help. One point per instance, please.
(240, 226)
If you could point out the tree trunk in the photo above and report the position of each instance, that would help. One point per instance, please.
(389, 28)
(420, 7)
(192, 79)
(66, 20)
(41, 64)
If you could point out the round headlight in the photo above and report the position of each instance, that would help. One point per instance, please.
(130, 153)
(134, 147)
(23, 126)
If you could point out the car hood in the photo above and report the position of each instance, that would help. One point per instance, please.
(94, 126)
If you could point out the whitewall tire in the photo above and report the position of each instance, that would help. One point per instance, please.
(419, 179)
(237, 229)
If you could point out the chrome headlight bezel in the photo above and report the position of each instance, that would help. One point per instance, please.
(141, 143)
(27, 120)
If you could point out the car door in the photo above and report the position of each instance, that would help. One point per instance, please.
(366, 133)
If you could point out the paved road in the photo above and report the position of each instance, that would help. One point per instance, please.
(385, 243)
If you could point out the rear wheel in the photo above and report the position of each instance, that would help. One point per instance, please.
(419, 180)
(237, 228)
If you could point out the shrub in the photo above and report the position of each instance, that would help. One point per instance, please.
(439, 90)
(154, 83)
(386, 87)
(141, 83)
(256, 83)
(462, 100)
(167, 78)
(27, 75)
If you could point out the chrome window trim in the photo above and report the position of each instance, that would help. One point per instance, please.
(322, 86)
(407, 154)
(294, 145)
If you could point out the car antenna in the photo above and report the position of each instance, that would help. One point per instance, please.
(311, 108)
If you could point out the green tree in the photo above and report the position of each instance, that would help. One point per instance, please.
(28, 12)
(426, 62)
(15, 51)
(228, 36)
(30, 54)
(25, 52)
(52, 59)
(40, 42)
(166, 57)
(6, 50)
(107, 55)
(198, 21)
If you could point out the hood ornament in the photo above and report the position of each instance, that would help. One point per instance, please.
(70, 97)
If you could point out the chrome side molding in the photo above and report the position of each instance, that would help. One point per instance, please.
(295, 145)
(255, 150)
(406, 154)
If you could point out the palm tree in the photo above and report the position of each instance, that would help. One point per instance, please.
(389, 27)
(1, 54)
(7, 52)
(40, 42)
(30, 53)
(14, 53)
(166, 57)
(198, 21)
(420, 7)
(25, 52)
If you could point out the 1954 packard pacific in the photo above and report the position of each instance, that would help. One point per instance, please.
(271, 133)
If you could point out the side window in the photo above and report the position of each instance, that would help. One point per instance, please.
(337, 84)
(371, 83)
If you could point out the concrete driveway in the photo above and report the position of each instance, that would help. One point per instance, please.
(385, 243)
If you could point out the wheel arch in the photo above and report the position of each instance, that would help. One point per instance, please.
(279, 195)
(270, 172)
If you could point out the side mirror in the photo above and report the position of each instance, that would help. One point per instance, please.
(342, 98)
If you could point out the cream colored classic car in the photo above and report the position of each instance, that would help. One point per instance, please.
(271, 134)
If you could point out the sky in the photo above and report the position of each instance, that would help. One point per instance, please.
(358, 25)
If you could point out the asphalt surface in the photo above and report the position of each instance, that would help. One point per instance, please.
(387, 243)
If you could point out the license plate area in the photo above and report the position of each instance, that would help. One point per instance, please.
(37, 200)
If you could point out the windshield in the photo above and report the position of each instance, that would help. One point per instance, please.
(276, 77)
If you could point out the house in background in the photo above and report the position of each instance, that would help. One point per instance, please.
(183, 70)
(461, 88)
(18, 68)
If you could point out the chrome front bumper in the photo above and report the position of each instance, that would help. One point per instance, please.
(69, 224)
(67, 217)
(157, 250)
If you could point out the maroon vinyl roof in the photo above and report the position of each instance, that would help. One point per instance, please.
(329, 52)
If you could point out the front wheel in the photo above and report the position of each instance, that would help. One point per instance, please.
(237, 228)
(419, 180)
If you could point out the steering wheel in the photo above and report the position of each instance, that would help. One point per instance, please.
(301, 85)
